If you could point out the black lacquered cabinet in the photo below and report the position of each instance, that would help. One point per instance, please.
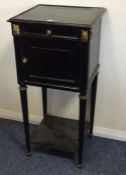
(58, 47)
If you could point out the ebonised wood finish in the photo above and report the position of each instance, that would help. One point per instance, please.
(58, 47)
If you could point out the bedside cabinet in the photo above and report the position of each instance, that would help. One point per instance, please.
(58, 47)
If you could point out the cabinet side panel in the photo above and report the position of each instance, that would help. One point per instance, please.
(94, 48)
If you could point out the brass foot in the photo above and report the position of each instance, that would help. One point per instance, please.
(77, 163)
(80, 165)
(29, 153)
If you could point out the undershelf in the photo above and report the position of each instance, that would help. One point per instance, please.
(58, 133)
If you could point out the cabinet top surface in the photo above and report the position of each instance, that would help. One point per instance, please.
(64, 15)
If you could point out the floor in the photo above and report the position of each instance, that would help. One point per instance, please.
(102, 156)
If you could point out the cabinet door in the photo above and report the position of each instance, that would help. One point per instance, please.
(51, 60)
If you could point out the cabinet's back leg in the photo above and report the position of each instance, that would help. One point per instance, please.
(44, 101)
(93, 100)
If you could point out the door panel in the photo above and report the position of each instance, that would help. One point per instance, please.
(50, 59)
(47, 62)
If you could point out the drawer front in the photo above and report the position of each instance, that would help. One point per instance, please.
(50, 60)
(55, 31)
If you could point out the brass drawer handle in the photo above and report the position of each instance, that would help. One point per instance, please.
(24, 60)
(49, 32)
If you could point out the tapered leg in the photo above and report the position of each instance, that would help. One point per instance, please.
(93, 100)
(24, 105)
(82, 113)
(44, 101)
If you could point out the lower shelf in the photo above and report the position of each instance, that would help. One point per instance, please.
(58, 133)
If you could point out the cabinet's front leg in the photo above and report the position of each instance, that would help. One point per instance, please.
(44, 101)
(93, 100)
(24, 105)
(82, 113)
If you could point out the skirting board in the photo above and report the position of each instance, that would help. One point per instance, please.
(98, 131)
(12, 115)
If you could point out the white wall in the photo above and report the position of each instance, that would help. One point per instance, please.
(111, 97)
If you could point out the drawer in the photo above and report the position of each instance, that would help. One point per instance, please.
(55, 31)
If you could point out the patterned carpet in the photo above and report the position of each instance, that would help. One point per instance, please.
(102, 156)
